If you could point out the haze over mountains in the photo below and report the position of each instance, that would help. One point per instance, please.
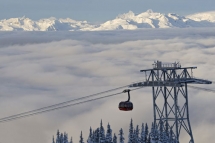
(127, 21)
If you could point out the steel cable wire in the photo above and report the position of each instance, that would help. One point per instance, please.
(63, 104)
(30, 113)
(200, 88)
(66, 102)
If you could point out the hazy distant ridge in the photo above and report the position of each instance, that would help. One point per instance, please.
(127, 21)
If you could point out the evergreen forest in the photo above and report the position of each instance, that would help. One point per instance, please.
(157, 134)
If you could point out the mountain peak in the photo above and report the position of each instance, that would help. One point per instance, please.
(126, 21)
(128, 15)
(149, 11)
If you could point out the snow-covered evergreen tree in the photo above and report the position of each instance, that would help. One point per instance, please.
(96, 139)
(114, 138)
(146, 132)
(161, 135)
(65, 138)
(71, 140)
(136, 135)
(121, 138)
(131, 133)
(142, 137)
(90, 138)
(61, 138)
(165, 139)
(58, 137)
(81, 138)
(148, 139)
(93, 136)
(167, 128)
(108, 134)
(156, 133)
(53, 141)
(166, 133)
(152, 133)
(101, 133)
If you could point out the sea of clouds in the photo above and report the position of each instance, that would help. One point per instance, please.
(38, 69)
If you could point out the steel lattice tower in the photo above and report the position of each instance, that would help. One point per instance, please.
(169, 83)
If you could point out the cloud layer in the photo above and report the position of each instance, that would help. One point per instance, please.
(41, 69)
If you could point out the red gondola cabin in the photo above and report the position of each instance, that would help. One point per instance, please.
(126, 105)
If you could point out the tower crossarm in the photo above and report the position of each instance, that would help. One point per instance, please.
(168, 68)
(156, 83)
(194, 81)
(176, 82)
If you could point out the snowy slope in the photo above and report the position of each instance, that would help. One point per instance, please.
(128, 21)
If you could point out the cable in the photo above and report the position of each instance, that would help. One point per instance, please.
(66, 102)
(56, 108)
(6, 119)
(200, 88)
(63, 104)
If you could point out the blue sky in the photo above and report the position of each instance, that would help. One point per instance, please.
(97, 10)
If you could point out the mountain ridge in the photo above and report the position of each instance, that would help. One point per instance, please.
(126, 21)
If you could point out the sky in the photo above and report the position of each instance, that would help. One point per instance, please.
(97, 10)
(38, 69)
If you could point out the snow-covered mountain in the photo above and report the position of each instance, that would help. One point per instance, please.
(150, 19)
(128, 21)
(49, 24)
(204, 16)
